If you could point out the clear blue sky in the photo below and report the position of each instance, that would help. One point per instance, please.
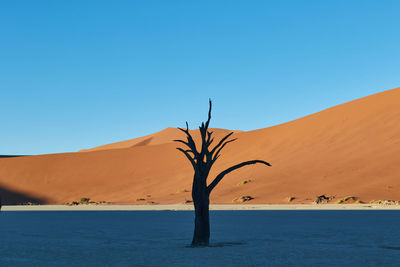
(77, 74)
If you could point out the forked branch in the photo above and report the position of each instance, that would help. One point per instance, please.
(209, 139)
(221, 143)
(205, 135)
(186, 152)
(190, 142)
(216, 155)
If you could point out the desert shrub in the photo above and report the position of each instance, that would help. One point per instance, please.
(348, 198)
(244, 182)
(387, 202)
(182, 191)
(323, 199)
(290, 199)
(243, 199)
(246, 198)
(84, 200)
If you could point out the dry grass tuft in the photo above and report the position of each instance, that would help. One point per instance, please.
(244, 182)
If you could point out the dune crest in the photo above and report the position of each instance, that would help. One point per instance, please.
(161, 137)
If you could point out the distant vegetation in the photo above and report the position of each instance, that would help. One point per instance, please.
(290, 199)
(84, 200)
(347, 199)
(385, 202)
(243, 199)
(323, 199)
(244, 182)
(182, 191)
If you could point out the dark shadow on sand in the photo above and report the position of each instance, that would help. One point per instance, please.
(144, 142)
(12, 197)
(12, 156)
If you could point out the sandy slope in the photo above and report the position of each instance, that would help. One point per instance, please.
(348, 150)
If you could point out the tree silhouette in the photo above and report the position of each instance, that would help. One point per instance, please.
(202, 160)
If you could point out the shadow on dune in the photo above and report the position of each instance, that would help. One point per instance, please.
(11, 197)
(12, 156)
(144, 142)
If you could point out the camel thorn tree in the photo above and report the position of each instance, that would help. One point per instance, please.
(202, 158)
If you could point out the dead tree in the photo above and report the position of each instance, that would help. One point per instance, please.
(202, 158)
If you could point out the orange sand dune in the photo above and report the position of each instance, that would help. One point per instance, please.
(348, 150)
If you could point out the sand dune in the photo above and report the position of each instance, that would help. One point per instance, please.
(348, 150)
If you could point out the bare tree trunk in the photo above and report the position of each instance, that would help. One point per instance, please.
(201, 235)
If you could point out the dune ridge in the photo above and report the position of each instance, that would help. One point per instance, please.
(162, 137)
(348, 150)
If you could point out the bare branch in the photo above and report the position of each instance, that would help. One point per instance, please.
(205, 137)
(209, 115)
(190, 143)
(221, 142)
(209, 135)
(209, 140)
(187, 129)
(222, 147)
(183, 142)
(188, 157)
(183, 130)
(219, 177)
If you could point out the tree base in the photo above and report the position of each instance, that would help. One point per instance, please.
(200, 244)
